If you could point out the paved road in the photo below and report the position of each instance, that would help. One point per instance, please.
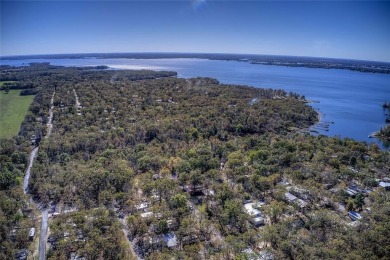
(27, 175)
(44, 211)
(50, 124)
(126, 233)
(43, 238)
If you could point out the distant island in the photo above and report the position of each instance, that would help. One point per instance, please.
(277, 60)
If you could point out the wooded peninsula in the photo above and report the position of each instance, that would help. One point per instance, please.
(144, 165)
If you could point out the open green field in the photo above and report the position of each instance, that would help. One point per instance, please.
(13, 108)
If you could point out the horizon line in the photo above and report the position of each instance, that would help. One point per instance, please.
(4, 57)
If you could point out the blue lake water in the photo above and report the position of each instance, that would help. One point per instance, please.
(352, 100)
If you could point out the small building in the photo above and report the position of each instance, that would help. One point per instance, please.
(354, 215)
(142, 206)
(293, 199)
(257, 221)
(170, 239)
(290, 198)
(257, 218)
(351, 191)
(147, 215)
(301, 193)
(31, 233)
(385, 185)
(249, 208)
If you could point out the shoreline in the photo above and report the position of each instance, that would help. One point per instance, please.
(320, 125)
(362, 66)
(379, 136)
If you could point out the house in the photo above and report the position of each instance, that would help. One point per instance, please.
(253, 212)
(142, 206)
(385, 185)
(289, 197)
(353, 190)
(31, 233)
(257, 218)
(257, 221)
(147, 214)
(354, 215)
(170, 239)
(300, 193)
(293, 199)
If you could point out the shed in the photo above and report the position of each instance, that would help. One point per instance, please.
(31, 233)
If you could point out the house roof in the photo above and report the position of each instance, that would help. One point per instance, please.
(258, 220)
(290, 197)
(170, 239)
(355, 215)
(250, 210)
(384, 184)
(147, 214)
(301, 203)
(351, 191)
(142, 206)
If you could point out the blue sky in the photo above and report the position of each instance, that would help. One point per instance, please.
(349, 29)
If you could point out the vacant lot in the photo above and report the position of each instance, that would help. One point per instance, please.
(13, 108)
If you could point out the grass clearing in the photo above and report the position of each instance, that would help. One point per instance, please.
(13, 108)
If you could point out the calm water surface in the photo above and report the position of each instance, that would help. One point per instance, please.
(352, 100)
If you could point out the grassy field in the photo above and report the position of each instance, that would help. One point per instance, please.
(13, 108)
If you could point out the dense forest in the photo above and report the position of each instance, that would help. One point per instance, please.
(188, 169)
